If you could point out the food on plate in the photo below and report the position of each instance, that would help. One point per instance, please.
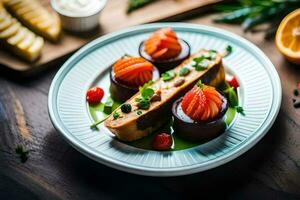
(37, 18)
(94, 95)
(200, 114)
(162, 142)
(288, 37)
(19, 39)
(128, 74)
(164, 49)
(151, 106)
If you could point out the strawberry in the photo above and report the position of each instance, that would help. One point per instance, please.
(162, 44)
(94, 95)
(162, 142)
(201, 103)
(233, 82)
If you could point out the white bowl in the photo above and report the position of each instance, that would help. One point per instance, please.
(77, 22)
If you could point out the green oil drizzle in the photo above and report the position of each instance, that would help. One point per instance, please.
(97, 114)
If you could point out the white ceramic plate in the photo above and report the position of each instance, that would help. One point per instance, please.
(260, 96)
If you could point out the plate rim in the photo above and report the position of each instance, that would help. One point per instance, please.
(163, 171)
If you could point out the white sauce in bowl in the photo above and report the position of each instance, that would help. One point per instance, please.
(79, 8)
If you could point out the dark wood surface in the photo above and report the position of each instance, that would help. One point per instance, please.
(54, 170)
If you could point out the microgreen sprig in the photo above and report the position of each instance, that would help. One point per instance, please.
(146, 94)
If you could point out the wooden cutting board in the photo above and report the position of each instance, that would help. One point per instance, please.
(112, 18)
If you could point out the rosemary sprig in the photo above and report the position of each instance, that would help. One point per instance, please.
(256, 12)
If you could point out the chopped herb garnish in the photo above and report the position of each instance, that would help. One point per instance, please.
(296, 92)
(228, 50)
(201, 63)
(116, 115)
(23, 154)
(232, 97)
(146, 94)
(200, 84)
(108, 106)
(240, 110)
(139, 112)
(168, 75)
(210, 55)
(184, 71)
(126, 108)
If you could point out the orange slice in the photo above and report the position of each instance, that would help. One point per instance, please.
(288, 37)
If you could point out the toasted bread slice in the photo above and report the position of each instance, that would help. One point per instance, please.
(32, 14)
(133, 126)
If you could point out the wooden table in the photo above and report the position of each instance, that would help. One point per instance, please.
(54, 170)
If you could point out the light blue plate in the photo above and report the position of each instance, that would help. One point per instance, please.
(260, 96)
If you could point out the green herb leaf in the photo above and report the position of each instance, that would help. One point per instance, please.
(200, 84)
(126, 108)
(139, 112)
(108, 106)
(168, 75)
(184, 71)
(23, 154)
(136, 4)
(116, 115)
(232, 97)
(144, 104)
(240, 110)
(201, 63)
(228, 50)
(146, 94)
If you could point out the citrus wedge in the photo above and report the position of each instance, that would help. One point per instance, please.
(288, 37)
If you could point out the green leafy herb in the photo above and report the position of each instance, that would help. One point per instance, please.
(184, 71)
(232, 97)
(168, 75)
(139, 112)
(200, 84)
(210, 55)
(146, 94)
(116, 115)
(201, 63)
(126, 108)
(108, 106)
(228, 50)
(240, 110)
(252, 13)
(23, 154)
(135, 4)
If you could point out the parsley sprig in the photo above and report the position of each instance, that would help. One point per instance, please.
(146, 94)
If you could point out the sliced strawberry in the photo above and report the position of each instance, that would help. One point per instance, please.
(133, 71)
(162, 44)
(202, 103)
